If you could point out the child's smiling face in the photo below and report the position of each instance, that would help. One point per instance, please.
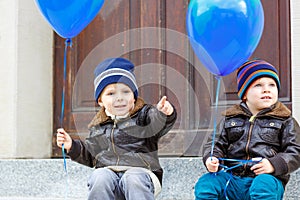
(117, 98)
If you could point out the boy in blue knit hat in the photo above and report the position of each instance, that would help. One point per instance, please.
(257, 144)
(123, 140)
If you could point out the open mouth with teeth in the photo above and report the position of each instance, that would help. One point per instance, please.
(266, 97)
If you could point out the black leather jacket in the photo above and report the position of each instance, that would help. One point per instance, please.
(132, 141)
(273, 134)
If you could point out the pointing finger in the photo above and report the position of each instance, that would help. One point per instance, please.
(162, 101)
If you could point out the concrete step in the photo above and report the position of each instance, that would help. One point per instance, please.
(36, 198)
(45, 179)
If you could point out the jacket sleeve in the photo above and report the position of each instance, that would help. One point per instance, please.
(154, 122)
(288, 160)
(80, 154)
(218, 141)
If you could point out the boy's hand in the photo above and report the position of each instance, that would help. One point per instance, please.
(263, 167)
(62, 137)
(212, 164)
(165, 106)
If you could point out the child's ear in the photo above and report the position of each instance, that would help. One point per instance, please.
(100, 102)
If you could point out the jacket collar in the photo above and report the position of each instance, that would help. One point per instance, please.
(101, 116)
(276, 110)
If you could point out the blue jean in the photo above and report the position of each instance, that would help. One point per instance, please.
(213, 186)
(106, 184)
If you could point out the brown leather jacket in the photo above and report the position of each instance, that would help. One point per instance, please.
(273, 134)
(131, 141)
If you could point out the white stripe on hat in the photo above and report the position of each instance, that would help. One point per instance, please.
(114, 72)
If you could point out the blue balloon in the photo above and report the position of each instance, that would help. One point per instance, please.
(69, 17)
(224, 33)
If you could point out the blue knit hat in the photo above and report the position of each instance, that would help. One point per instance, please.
(251, 71)
(114, 70)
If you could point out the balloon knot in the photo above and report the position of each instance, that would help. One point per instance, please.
(68, 42)
(217, 77)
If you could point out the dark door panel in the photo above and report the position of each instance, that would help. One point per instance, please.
(153, 35)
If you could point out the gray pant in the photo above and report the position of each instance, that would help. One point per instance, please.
(134, 184)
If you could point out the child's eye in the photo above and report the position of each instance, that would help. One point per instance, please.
(109, 93)
(126, 91)
(257, 85)
(272, 85)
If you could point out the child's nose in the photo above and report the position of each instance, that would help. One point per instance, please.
(266, 89)
(119, 97)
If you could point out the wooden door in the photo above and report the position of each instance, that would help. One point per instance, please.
(152, 34)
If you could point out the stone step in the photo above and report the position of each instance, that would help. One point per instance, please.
(37, 179)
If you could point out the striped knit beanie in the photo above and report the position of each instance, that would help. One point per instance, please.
(251, 71)
(114, 70)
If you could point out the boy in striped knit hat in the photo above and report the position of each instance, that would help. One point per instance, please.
(257, 144)
(124, 135)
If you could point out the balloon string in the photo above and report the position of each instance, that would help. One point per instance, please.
(68, 43)
(215, 115)
(65, 169)
(226, 186)
(64, 156)
(240, 163)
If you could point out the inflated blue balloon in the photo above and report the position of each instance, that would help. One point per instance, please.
(224, 33)
(69, 17)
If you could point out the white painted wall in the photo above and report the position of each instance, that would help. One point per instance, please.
(7, 76)
(25, 81)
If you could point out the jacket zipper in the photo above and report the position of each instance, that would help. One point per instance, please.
(145, 162)
(113, 142)
(115, 151)
(251, 120)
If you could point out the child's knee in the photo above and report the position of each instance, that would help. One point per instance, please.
(266, 186)
(210, 185)
(133, 176)
(266, 180)
(101, 177)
